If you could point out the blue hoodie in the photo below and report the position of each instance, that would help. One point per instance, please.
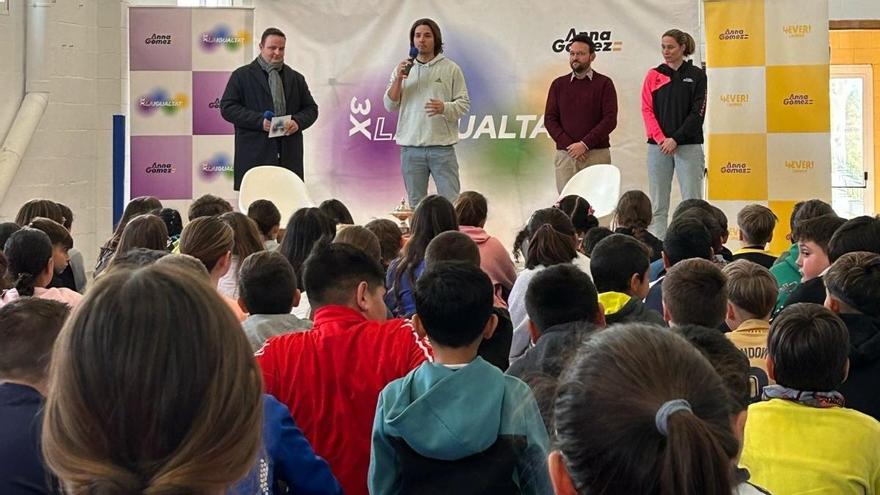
(286, 455)
(471, 430)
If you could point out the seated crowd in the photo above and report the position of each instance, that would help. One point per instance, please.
(231, 355)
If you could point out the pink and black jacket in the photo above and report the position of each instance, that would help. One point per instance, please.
(674, 103)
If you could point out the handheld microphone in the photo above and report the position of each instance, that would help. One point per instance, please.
(268, 114)
(413, 53)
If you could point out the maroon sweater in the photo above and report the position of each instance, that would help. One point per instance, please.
(581, 110)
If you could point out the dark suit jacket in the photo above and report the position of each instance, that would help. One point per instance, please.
(246, 98)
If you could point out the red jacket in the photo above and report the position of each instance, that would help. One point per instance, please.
(330, 378)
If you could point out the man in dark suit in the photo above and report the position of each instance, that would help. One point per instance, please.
(268, 84)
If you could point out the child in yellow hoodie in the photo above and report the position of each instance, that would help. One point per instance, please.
(802, 439)
(619, 265)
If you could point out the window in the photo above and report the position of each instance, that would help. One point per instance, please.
(852, 140)
(205, 3)
(4, 7)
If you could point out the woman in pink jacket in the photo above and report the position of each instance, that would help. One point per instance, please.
(673, 106)
(471, 210)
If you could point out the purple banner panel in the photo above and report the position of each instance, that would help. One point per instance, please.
(212, 166)
(159, 39)
(207, 90)
(161, 166)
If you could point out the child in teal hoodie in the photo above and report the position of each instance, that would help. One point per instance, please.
(457, 425)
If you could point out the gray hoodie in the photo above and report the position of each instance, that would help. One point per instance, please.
(439, 79)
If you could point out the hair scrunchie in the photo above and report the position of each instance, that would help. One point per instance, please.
(670, 407)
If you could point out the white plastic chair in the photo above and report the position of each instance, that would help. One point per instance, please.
(277, 184)
(598, 184)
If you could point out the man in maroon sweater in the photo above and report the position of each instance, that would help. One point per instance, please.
(581, 112)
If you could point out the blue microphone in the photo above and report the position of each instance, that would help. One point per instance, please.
(268, 114)
(413, 53)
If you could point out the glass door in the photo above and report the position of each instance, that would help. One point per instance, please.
(852, 140)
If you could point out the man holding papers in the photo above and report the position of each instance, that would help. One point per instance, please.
(256, 93)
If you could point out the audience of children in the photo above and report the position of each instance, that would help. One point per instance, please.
(61, 244)
(686, 238)
(580, 212)
(434, 215)
(31, 267)
(733, 368)
(707, 216)
(361, 238)
(619, 265)
(208, 205)
(458, 247)
(833, 239)
(563, 309)
(695, 293)
(39, 208)
(268, 219)
(330, 377)
(211, 241)
(801, 438)
(390, 239)
(121, 417)
(141, 257)
(28, 328)
(756, 224)
(424, 405)
(786, 270)
(137, 206)
(267, 292)
(143, 231)
(721, 218)
(337, 212)
(593, 237)
(471, 211)
(74, 276)
(751, 295)
(173, 222)
(632, 216)
(640, 410)
(548, 239)
(853, 285)
(305, 227)
(457, 424)
(247, 242)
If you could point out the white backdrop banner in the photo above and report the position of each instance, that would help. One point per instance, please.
(509, 51)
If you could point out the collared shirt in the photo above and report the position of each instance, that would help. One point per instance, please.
(589, 75)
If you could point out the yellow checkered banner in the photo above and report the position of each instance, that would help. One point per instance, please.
(768, 117)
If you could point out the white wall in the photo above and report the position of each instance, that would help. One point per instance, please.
(854, 9)
(69, 159)
(12, 65)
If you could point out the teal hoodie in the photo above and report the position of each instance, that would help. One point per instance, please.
(787, 274)
(447, 414)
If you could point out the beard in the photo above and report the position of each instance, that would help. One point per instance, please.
(579, 68)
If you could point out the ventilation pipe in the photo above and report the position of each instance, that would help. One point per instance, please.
(36, 97)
